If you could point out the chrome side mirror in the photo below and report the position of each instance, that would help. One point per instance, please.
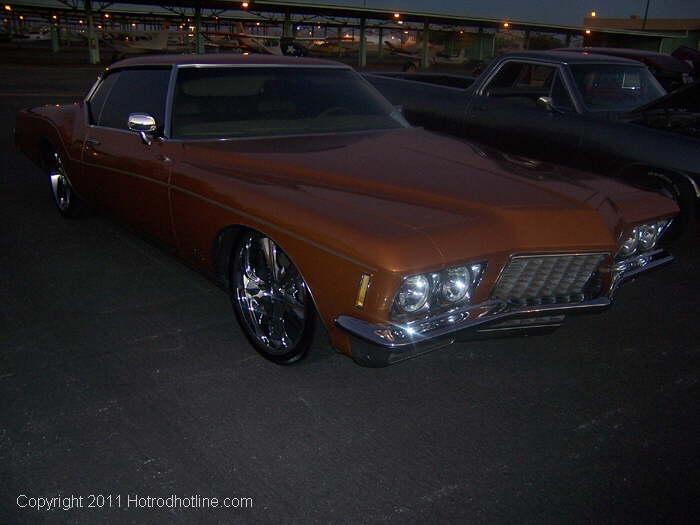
(144, 125)
(546, 103)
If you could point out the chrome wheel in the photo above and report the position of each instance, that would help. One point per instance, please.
(271, 299)
(62, 191)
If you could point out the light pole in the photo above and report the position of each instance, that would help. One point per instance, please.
(646, 13)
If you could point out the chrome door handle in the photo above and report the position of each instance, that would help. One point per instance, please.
(92, 142)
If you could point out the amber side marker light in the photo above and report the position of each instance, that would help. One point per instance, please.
(362, 291)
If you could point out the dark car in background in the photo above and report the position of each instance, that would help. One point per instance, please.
(597, 113)
(670, 71)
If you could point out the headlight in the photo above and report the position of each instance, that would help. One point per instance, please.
(629, 246)
(414, 293)
(438, 290)
(455, 285)
(647, 236)
(642, 238)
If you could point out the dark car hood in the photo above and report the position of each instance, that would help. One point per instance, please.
(686, 98)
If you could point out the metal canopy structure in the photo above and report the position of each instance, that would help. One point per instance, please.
(290, 14)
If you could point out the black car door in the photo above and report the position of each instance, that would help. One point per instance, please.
(507, 114)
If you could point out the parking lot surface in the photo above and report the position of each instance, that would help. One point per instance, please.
(123, 374)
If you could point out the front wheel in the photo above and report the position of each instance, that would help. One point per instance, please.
(271, 300)
(683, 193)
(67, 202)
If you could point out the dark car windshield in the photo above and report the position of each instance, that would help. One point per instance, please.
(221, 102)
(613, 87)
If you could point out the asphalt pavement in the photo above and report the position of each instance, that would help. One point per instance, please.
(124, 379)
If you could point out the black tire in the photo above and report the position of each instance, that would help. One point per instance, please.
(64, 197)
(271, 300)
(682, 192)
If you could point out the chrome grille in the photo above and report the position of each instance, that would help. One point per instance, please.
(549, 279)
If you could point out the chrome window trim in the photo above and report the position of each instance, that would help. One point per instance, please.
(109, 71)
(258, 65)
(260, 137)
(169, 98)
(553, 65)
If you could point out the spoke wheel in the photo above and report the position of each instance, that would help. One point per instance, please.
(271, 299)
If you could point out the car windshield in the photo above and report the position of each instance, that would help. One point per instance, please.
(228, 102)
(612, 87)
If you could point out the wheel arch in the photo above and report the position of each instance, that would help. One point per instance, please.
(656, 173)
(301, 252)
(222, 251)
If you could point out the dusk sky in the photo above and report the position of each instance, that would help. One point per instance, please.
(549, 11)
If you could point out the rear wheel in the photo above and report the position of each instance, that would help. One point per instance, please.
(271, 299)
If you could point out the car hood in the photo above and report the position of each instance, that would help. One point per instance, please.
(686, 98)
(445, 188)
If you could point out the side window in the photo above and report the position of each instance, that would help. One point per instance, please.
(522, 75)
(560, 95)
(97, 101)
(136, 91)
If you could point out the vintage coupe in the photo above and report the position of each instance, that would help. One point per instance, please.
(304, 193)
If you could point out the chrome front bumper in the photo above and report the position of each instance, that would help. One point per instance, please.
(381, 345)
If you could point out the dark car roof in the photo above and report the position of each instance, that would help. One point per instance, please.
(223, 59)
(660, 60)
(572, 58)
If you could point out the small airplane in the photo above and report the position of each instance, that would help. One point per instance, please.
(136, 42)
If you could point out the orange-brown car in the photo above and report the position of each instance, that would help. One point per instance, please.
(298, 188)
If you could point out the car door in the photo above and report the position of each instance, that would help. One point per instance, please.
(505, 113)
(129, 177)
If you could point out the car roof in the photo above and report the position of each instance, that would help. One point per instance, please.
(224, 59)
(568, 57)
(660, 60)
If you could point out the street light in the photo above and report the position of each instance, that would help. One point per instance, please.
(593, 14)
(8, 7)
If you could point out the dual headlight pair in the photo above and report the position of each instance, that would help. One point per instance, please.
(642, 238)
(446, 288)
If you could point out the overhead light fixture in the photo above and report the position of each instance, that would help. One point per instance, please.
(506, 25)
(244, 5)
(397, 15)
(588, 31)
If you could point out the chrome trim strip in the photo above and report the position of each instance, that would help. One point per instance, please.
(259, 137)
(630, 268)
(368, 331)
(272, 226)
(169, 98)
(494, 310)
(258, 65)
